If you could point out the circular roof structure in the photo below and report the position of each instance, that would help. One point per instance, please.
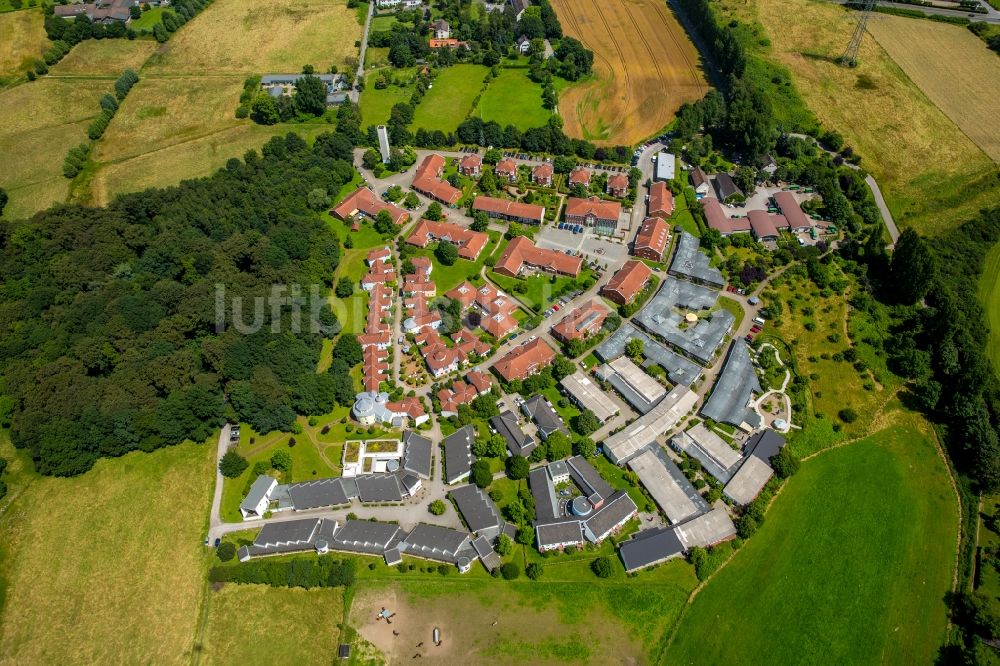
(409, 323)
(781, 425)
(463, 562)
(392, 465)
(691, 317)
(581, 506)
(364, 406)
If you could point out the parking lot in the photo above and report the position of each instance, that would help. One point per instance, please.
(590, 246)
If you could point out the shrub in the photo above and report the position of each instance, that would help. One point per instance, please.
(534, 571)
(226, 551)
(504, 545)
(232, 464)
(602, 567)
(437, 507)
(510, 571)
(848, 415)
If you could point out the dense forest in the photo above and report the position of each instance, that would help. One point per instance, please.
(108, 336)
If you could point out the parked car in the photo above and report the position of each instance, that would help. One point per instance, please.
(555, 307)
(749, 338)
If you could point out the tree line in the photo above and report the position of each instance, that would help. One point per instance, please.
(305, 572)
(110, 343)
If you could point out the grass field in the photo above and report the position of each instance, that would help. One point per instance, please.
(301, 625)
(23, 41)
(107, 567)
(953, 67)
(239, 37)
(450, 101)
(377, 104)
(989, 296)
(933, 175)
(42, 120)
(513, 98)
(644, 68)
(851, 566)
(104, 57)
(148, 19)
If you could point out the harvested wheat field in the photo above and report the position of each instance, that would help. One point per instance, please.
(953, 68)
(933, 176)
(104, 57)
(22, 40)
(242, 37)
(645, 67)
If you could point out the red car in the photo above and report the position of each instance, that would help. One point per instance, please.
(555, 307)
(755, 329)
(749, 338)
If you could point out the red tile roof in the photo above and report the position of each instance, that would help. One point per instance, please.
(423, 265)
(581, 322)
(762, 224)
(579, 176)
(602, 210)
(625, 285)
(661, 200)
(481, 381)
(427, 181)
(414, 284)
(470, 162)
(470, 243)
(459, 393)
(542, 172)
(507, 167)
(378, 254)
(717, 219)
(509, 208)
(618, 182)
(792, 211)
(364, 201)
(525, 360)
(409, 405)
(653, 235)
(521, 251)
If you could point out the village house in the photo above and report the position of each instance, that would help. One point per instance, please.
(652, 240)
(363, 201)
(601, 216)
(700, 183)
(582, 322)
(521, 253)
(527, 359)
(626, 284)
(507, 169)
(506, 209)
(471, 165)
(441, 29)
(661, 200)
(579, 176)
(541, 174)
(470, 243)
(618, 185)
(427, 181)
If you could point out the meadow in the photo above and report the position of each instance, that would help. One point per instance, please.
(377, 104)
(932, 175)
(451, 99)
(953, 67)
(852, 564)
(107, 566)
(104, 57)
(645, 67)
(513, 98)
(23, 42)
(237, 37)
(989, 296)
(301, 625)
(43, 120)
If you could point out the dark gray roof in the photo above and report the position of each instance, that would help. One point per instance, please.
(365, 536)
(543, 492)
(563, 531)
(538, 409)
(316, 494)
(615, 511)
(726, 186)
(588, 478)
(733, 389)
(650, 547)
(437, 543)
(662, 316)
(261, 486)
(487, 555)
(764, 445)
(518, 442)
(679, 369)
(458, 453)
(392, 556)
(379, 488)
(291, 536)
(478, 510)
(417, 454)
(690, 262)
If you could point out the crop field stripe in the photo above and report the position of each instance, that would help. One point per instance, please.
(989, 296)
(666, 16)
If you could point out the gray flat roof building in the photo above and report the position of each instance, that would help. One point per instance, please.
(417, 453)
(366, 536)
(589, 480)
(670, 489)
(538, 409)
(458, 454)
(433, 542)
(260, 490)
(489, 557)
(764, 445)
(638, 388)
(289, 536)
(690, 263)
(756, 471)
(642, 432)
(518, 443)
(379, 488)
(679, 369)
(717, 457)
(383, 142)
(559, 534)
(544, 494)
(665, 166)
(317, 494)
(733, 390)
(650, 547)
(480, 513)
(588, 395)
(665, 316)
(707, 529)
(615, 512)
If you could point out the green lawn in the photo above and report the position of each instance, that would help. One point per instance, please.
(364, 239)
(989, 296)
(449, 277)
(376, 104)
(513, 98)
(383, 23)
(542, 290)
(851, 566)
(450, 101)
(148, 19)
